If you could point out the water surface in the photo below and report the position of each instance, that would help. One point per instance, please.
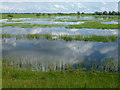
(58, 31)
(52, 50)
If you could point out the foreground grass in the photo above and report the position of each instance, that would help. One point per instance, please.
(96, 25)
(73, 79)
(0, 74)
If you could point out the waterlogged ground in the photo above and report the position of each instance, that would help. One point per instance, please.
(64, 20)
(52, 50)
(25, 53)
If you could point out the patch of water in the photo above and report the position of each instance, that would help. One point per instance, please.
(44, 22)
(58, 31)
(73, 51)
(113, 22)
(3, 20)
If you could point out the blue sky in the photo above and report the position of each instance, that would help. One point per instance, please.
(53, 7)
(59, 0)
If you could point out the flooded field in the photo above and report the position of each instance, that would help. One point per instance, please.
(64, 49)
(59, 44)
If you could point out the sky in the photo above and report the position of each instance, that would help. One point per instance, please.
(59, 0)
(54, 7)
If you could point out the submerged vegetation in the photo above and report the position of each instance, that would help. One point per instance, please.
(106, 65)
(112, 38)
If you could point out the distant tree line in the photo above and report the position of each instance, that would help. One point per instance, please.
(107, 13)
(77, 13)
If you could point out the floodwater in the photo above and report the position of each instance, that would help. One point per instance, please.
(113, 22)
(58, 31)
(72, 51)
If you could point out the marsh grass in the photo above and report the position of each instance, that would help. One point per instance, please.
(25, 73)
(13, 78)
(0, 74)
(62, 20)
(111, 38)
(19, 73)
(5, 35)
(29, 25)
(96, 25)
(14, 20)
(106, 65)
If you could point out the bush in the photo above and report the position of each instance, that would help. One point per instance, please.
(9, 15)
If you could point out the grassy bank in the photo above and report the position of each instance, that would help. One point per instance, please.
(28, 25)
(112, 38)
(13, 78)
(19, 73)
(96, 25)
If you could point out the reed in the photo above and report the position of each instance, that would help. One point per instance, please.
(111, 38)
(109, 65)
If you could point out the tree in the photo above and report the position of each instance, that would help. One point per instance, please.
(105, 13)
(98, 13)
(114, 13)
(78, 13)
(110, 13)
(37, 14)
(118, 13)
(83, 13)
(9, 15)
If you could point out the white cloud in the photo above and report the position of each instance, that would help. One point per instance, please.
(6, 7)
(57, 6)
(79, 5)
(60, 6)
(104, 9)
(108, 49)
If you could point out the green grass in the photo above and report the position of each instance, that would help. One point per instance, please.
(89, 24)
(13, 78)
(21, 77)
(5, 16)
(5, 35)
(28, 25)
(96, 25)
(14, 20)
(61, 20)
(0, 74)
(112, 38)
